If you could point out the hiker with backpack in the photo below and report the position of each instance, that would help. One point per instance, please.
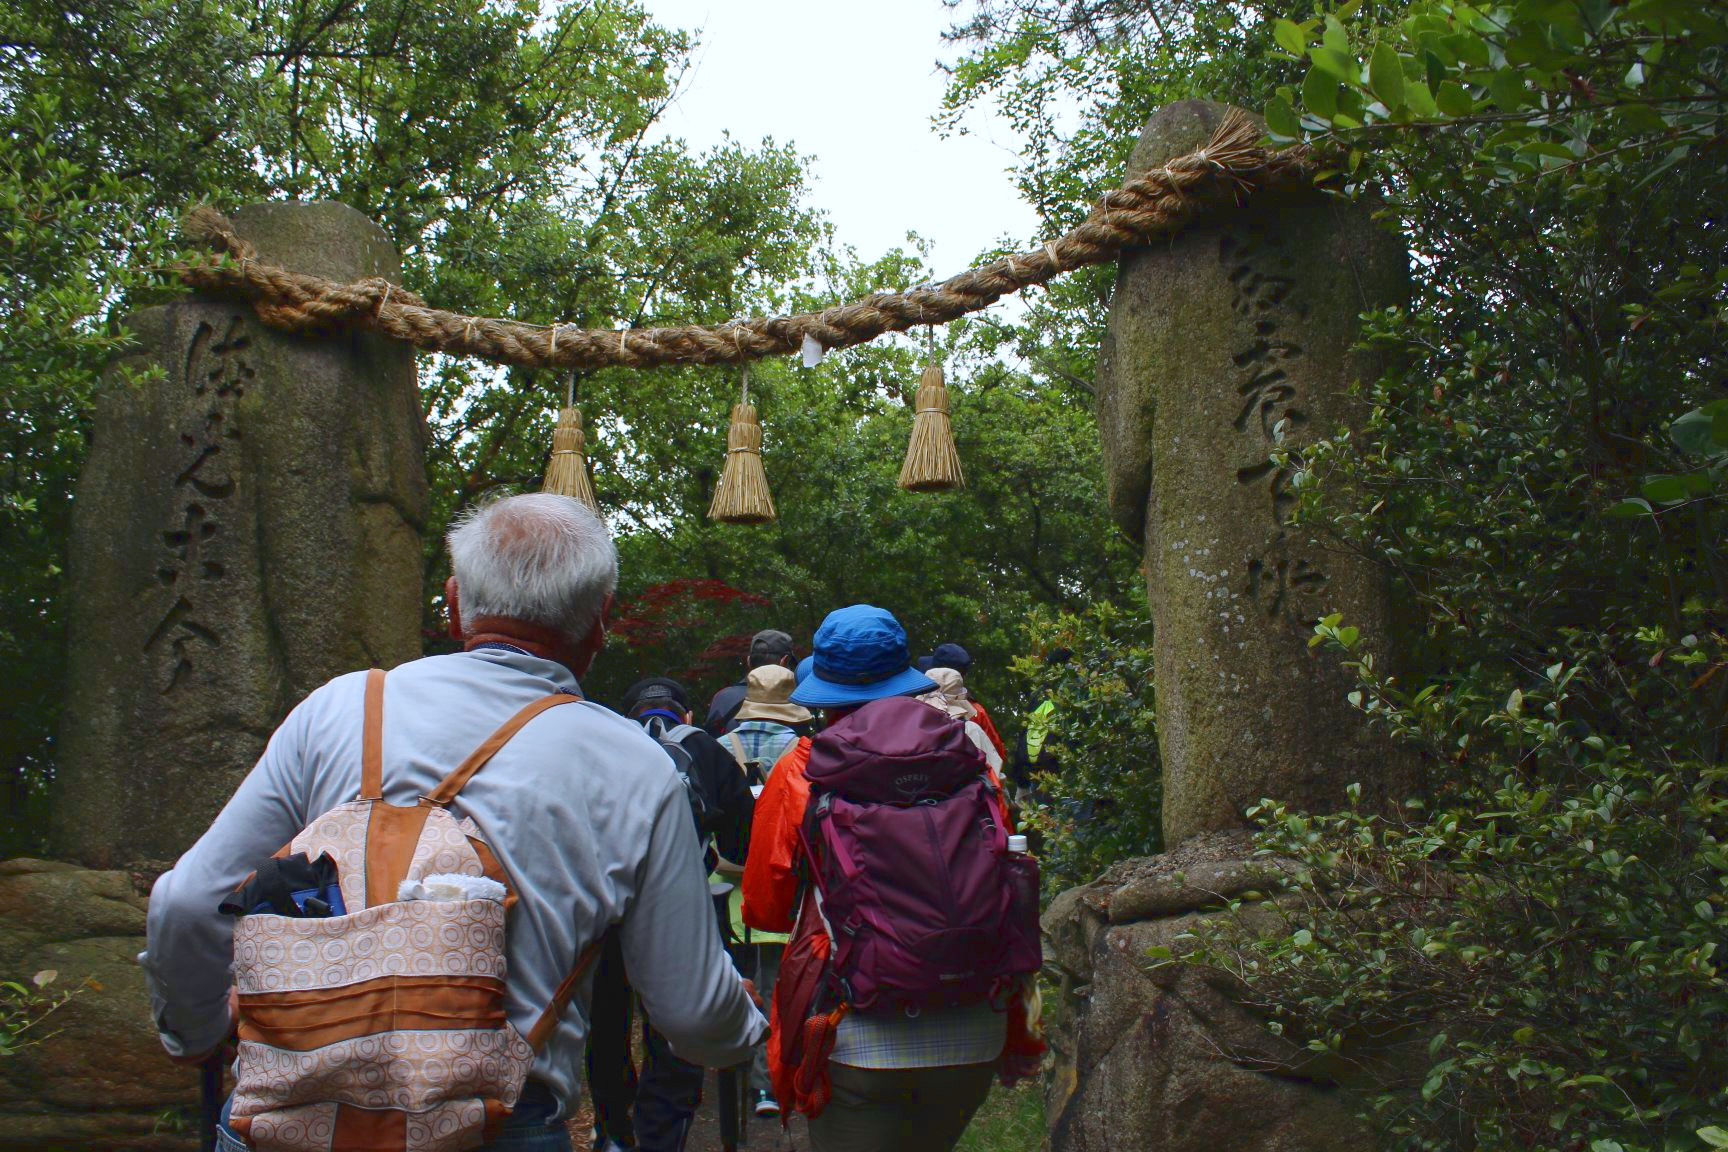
(768, 723)
(460, 835)
(1034, 754)
(951, 697)
(720, 803)
(951, 655)
(884, 848)
(768, 647)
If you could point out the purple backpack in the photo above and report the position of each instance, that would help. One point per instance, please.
(925, 905)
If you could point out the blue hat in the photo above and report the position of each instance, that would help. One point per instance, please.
(861, 655)
(803, 669)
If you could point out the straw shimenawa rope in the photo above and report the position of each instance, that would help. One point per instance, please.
(1156, 203)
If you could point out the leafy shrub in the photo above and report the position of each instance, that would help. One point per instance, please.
(1546, 918)
(23, 1008)
(1553, 945)
(1102, 803)
(1552, 921)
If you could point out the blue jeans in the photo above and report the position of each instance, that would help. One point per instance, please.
(535, 1126)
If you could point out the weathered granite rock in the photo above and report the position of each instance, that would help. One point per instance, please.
(1225, 346)
(170, 1130)
(102, 1050)
(1164, 1055)
(64, 902)
(20, 865)
(248, 525)
(97, 1077)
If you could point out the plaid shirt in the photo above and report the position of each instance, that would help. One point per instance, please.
(971, 1035)
(763, 741)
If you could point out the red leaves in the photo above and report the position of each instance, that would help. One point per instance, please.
(661, 615)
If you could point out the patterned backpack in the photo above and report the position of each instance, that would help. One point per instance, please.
(384, 1028)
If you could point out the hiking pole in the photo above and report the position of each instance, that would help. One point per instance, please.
(744, 1102)
(726, 1080)
(209, 1100)
(727, 1090)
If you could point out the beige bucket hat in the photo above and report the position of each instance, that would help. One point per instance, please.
(768, 696)
(950, 695)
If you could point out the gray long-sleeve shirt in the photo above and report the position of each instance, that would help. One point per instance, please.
(582, 808)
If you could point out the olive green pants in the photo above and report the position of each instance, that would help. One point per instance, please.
(899, 1110)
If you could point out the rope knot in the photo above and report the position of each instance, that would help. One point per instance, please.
(387, 293)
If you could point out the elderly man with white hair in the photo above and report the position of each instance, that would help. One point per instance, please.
(582, 809)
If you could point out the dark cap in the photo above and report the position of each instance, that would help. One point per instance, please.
(655, 692)
(951, 656)
(769, 646)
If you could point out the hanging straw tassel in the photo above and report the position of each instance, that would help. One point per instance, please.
(932, 460)
(567, 472)
(742, 496)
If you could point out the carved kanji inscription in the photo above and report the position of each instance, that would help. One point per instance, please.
(1271, 406)
(216, 374)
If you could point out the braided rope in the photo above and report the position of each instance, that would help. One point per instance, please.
(1157, 203)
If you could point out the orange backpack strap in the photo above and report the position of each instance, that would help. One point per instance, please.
(548, 1021)
(372, 738)
(457, 780)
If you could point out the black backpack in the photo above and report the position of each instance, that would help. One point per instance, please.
(672, 739)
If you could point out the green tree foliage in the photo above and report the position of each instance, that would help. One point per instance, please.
(508, 150)
(1077, 80)
(967, 566)
(1102, 802)
(513, 154)
(1530, 957)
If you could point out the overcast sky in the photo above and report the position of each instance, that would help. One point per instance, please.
(855, 86)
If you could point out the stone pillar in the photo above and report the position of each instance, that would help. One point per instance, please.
(1224, 346)
(247, 526)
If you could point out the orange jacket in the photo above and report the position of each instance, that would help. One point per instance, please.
(771, 870)
(989, 726)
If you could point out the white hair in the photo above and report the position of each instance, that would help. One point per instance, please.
(540, 558)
